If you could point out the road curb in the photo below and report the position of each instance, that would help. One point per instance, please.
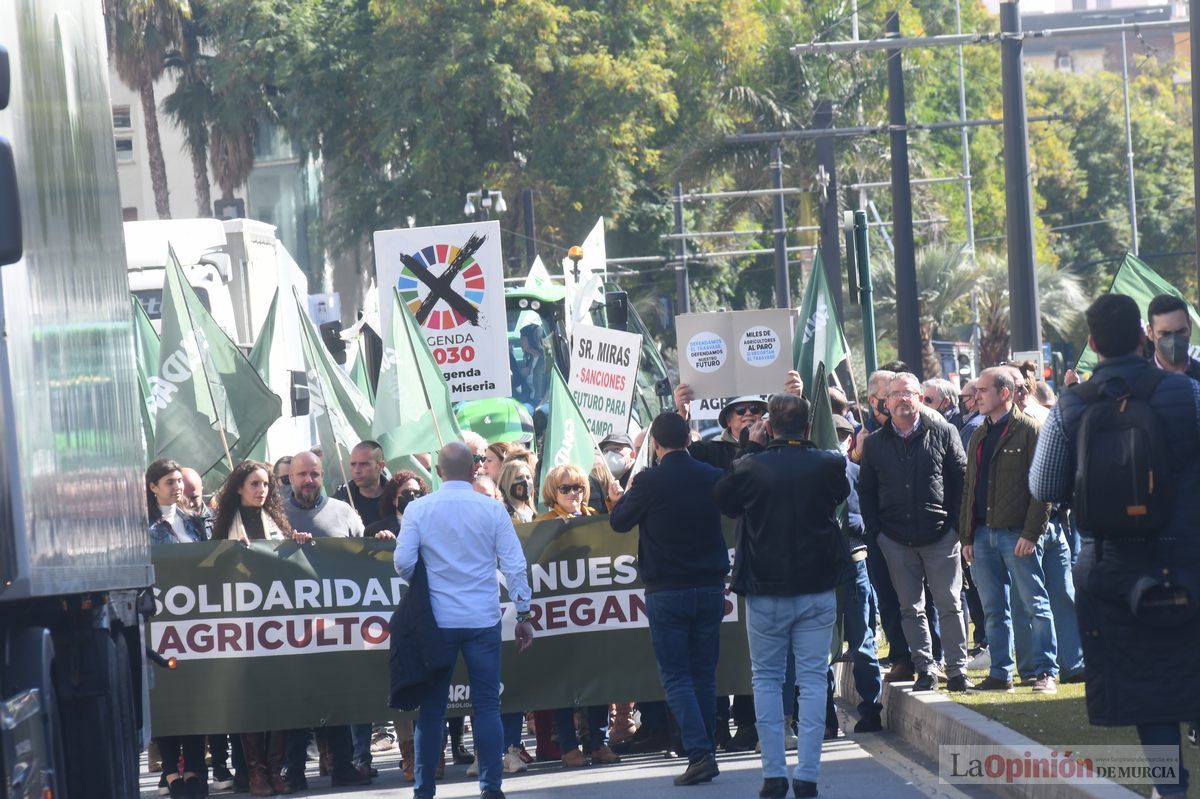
(927, 720)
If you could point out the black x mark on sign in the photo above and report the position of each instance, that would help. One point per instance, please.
(440, 286)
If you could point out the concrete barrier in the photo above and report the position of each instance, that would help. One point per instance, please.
(927, 720)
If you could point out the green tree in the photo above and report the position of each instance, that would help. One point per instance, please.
(140, 34)
(191, 104)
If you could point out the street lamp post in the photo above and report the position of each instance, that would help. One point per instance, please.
(488, 199)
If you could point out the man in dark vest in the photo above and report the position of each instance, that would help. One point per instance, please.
(1136, 598)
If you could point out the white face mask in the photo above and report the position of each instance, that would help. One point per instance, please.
(844, 446)
(616, 463)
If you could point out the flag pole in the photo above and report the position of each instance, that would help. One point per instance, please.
(203, 366)
(412, 348)
(306, 341)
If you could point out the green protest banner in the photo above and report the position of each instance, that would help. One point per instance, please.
(819, 337)
(276, 635)
(146, 348)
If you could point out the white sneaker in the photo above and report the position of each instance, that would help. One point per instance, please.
(473, 769)
(513, 762)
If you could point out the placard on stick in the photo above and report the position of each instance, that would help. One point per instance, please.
(604, 366)
(727, 354)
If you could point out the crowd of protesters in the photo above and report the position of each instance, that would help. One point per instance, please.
(946, 523)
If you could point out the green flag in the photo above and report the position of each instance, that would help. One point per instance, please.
(818, 337)
(821, 429)
(146, 350)
(359, 373)
(260, 359)
(413, 410)
(211, 405)
(1136, 280)
(341, 413)
(568, 439)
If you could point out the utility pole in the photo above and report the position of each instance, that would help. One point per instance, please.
(827, 196)
(862, 249)
(1024, 311)
(530, 239)
(1194, 29)
(908, 321)
(783, 294)
(683, 297)
(967, 200)
(1133, 228)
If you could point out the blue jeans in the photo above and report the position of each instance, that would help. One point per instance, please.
(803, 624)
(995, 562)
(859, 607)
(360, 734)
(1166, 735)
(480, 647)
(1056, 565)
(685, 629)
(511, 723)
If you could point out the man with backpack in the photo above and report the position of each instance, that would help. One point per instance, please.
(1124, 450)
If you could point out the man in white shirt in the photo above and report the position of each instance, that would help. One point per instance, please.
(461, 535)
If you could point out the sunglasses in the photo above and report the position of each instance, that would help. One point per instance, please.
(570, 489)
(480, 459)
(411, 494)
(744, 408)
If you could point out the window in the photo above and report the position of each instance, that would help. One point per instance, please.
(121, 118)
(124, 150)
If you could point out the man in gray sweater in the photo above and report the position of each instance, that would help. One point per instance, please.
(315, 515)
(310, 511)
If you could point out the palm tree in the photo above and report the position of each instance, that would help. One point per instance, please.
(1062, 297)
(190, 105)
(140, 33)
(946, 276)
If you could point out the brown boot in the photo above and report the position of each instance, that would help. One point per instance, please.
(276, 749)
(256, 763)
(325, 760)
(620, 725)
(407, 759)
(901, 671)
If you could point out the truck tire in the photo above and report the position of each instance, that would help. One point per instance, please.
(96, 705)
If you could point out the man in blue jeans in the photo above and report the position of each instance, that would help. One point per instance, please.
(461, 535)
(791, 556)
(1002, 527)
(683, 561)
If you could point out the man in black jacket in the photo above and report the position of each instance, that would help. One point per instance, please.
(791, 555)
(683, 562)
(910, 488)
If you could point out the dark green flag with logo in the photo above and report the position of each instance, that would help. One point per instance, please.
(146, 350)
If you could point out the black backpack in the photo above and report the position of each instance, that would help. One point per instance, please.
(1122, 464)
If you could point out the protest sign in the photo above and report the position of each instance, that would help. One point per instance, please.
(452, 279)
(731, 353)
(604, 366)
(255, 628)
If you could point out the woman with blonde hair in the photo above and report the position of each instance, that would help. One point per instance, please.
(516, 488)
(565, 493)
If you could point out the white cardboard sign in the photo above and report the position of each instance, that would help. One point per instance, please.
(604, 366)
(731, 353)
(452, 279)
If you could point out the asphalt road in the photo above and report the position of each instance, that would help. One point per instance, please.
(853, 766)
